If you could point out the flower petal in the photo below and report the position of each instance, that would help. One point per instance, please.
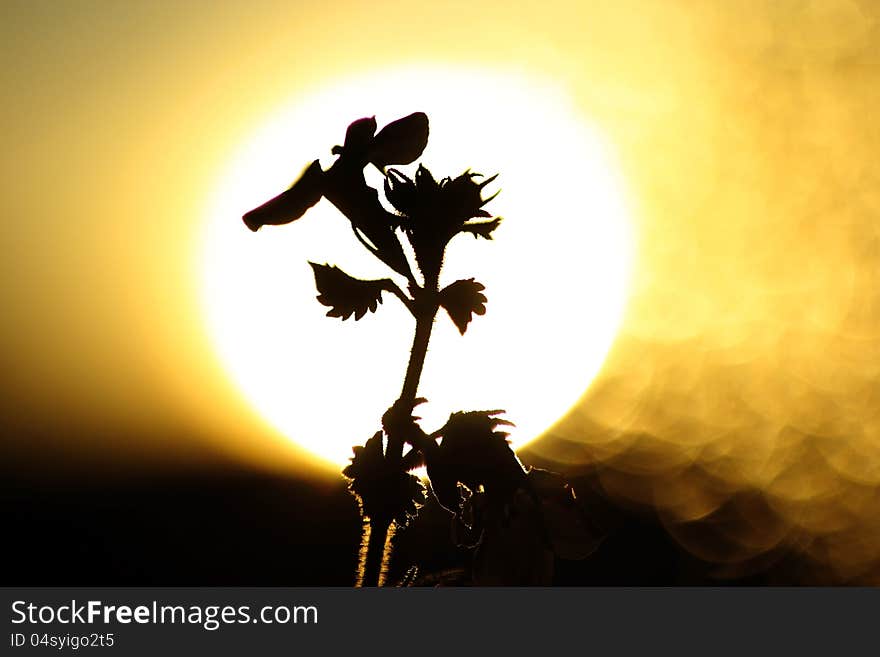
(291, 204)
(401, 141)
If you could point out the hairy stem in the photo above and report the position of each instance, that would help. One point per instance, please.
(422, 337)
(425, 311)
(376, 544)
(375, 552)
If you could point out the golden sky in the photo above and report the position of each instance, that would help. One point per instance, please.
(746, 380)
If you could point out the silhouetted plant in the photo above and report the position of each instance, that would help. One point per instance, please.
(515, 518)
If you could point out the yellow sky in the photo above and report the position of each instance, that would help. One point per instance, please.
(748, 133)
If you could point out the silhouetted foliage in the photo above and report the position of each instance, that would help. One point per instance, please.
(385, 491)
(516, 518)
(345, 294)
(474, 455)
(462, 299)
(432, 212)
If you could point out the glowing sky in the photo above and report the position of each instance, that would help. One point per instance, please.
(745, 381)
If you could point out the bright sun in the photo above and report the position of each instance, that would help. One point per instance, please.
(555, 274)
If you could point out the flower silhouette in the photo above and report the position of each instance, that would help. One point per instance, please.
(431, 213)
(344, 185)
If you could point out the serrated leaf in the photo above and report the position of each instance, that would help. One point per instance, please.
(346, 295)
(473, 452)
(462, 299)
(382, 488)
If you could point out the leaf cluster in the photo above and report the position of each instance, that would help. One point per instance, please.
(384, 490)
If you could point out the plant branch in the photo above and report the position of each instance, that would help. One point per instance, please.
(392, 287)
(425, 307)
(372, 249)
(375, 550)
(421, 338)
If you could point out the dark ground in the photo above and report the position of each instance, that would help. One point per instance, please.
(238, 527)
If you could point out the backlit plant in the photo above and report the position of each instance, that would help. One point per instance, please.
(517, 518)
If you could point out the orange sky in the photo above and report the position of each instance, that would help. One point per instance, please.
(747, 131)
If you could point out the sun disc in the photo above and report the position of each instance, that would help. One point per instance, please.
(555, 274)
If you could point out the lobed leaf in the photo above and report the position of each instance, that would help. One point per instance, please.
(346, 295)
(462, 299)
(382, 488)
(474, 453)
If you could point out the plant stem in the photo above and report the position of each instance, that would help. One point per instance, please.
(425, 313)
(422, 336)
(375, 551)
